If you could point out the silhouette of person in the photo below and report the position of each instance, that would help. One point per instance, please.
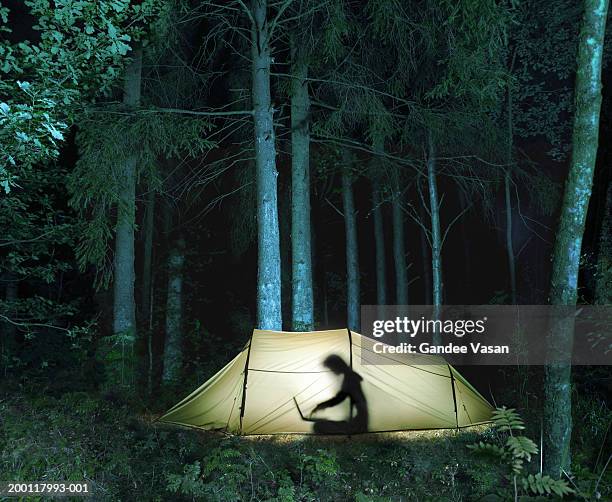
(351, 388)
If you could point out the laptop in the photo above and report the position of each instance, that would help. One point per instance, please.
(300, 412)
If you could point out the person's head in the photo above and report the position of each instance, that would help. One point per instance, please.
(336, 364)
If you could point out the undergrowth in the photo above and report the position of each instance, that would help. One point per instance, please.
(77, 436)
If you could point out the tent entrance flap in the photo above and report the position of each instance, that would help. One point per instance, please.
(279, 377)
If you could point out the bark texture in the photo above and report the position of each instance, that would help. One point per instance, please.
(301, 251)
(566, 260)
(269, 308)
(436, 237)
(352, 252)
(146, 313)
(124, 306)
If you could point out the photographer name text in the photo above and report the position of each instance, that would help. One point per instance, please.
(449, 348)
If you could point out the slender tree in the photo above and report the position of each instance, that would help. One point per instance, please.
(508, 200)
(173, 349)
(434, 214)
(379, 242)
(566, 258)
(8, 329)
(146, 313)
(464, 204)
(352, 249)
(399, 244)
(269, 309)
(124, 307)
(425, 255)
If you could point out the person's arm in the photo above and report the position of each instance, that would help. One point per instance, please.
(337, 399)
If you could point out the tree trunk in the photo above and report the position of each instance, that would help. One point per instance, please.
(379, 243)
(436, 239)
(508, 201)
(147, 284)
(509, 245)
(465, 240)
(425, 253)
(352, 253)
(603, 279)
(269, 309)
(124, 308)
(173, 349)
(8, 332)
(566, 258)
(301, 254)
(399, 246)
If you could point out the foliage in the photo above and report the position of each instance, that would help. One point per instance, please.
(543, 45)
(48, 433)
(106, 140)
(78, 437)
(36, 261)
(76, 50)
(515, 451)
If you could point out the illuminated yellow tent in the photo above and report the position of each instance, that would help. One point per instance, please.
(254, 393)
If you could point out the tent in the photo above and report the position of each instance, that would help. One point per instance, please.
(279, 374)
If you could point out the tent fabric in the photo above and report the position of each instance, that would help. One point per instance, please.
(254, 393)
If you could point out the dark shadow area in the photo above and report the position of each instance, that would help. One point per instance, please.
(350, 389)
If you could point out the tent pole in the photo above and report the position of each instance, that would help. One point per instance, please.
(350, 336)
(244, 384)
(454, 396)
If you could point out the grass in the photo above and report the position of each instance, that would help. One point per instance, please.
(79, 436)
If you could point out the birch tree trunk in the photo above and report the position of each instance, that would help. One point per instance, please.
(352, 253)
(173, 349)
(269, 309)
(399, 246)
(124, 307)
(566, 258)
(301, 254)
(379, 243)
(603, 279)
